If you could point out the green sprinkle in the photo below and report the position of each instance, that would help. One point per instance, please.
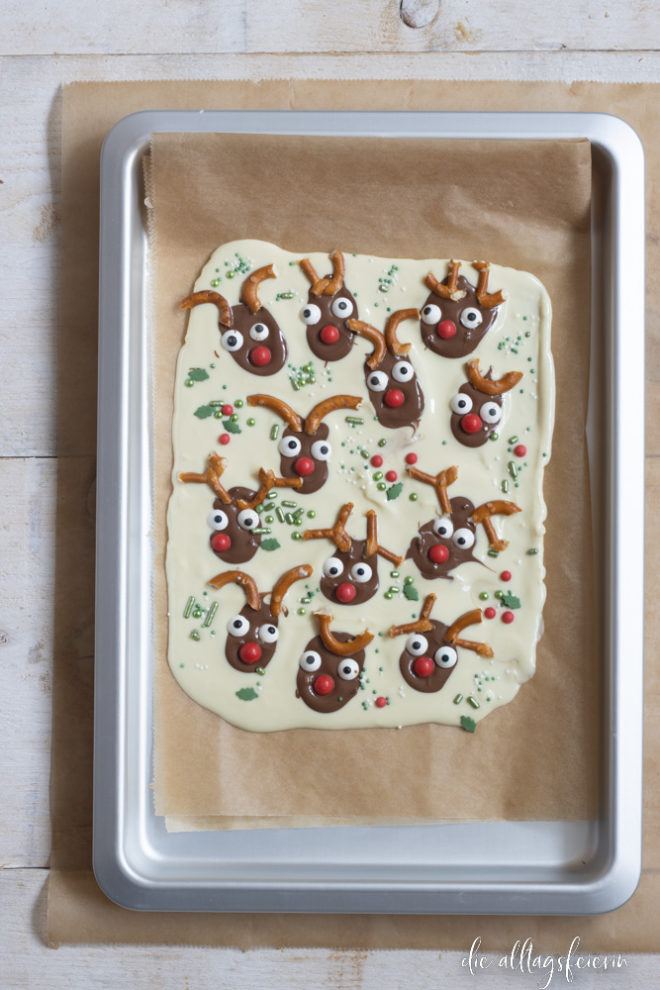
(218, 414)
(274, 431)
(269, 519)
(513, 469)
(494, 436)
(364, 453)
(210, 615)
(302, 611)
(484, 596)
(215, 282)
(234, 417)
(189, 383)
(493, 553)
(279, 513)
(532, 551)
(394, 590)
(499, 594)
(230, 274)
(239, 403)
(262, 530)
(413, 496)
(377, 475)
(473, 701)
(289, 518)
(296, 535)
(381, 486)
(273, 494)
(382, 442)
(505, 486)
(388, 595)
(458, 699)
(354, 420)
(189, 607)
(395, 574)
(251, 421)
(408, 580)
(513, 439)
(197, 612)
(289, 505)
(260, 671)
(311, 514)
(468, 723)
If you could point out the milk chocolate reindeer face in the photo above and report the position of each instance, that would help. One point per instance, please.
(431, 650)
(476, 409)
(457, 315)
(252, 634)
(446, 541)
(304, 447)
(330, 667)
(233, 518)
(328, 308)
(393, 387)
(248, 331)
(350, 575)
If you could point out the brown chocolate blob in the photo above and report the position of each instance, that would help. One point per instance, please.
(460, 325)
(328, 337)
(350, 577)
(481, 416)
(428, 650)
(445, 542)
(251, 638)
(229, 522)
(393, 379)
(306, 457)
(342, 690)
(254, 340)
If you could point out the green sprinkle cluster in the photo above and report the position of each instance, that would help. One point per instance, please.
(302, 375)
(386, 281)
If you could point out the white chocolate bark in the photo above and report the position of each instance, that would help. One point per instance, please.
(519, 341)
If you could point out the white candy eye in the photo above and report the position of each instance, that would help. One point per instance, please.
(248, 519)
(464, 538)
(333, 567)
(290, 446)
(310, 661)
(417, 645)
(342, 307)
(403, 371)
(232, 340)
(443, 527)
(321, 450)
(218, 520)
(377, 381)
(491, 412)
(238, 626)
(471, 318)
(361, 573)
(461, 403)
(268, 634)
(311, 314)
(431, 314)
(446, 657)
(348, 669)
(259, 331)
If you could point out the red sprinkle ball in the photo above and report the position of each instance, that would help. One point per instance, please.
(391, 476)
(520, 450)
(376, 460)
(381, 702)
(411, 458)
(227, 409)
(224, 438)
(490, 612)
(507, 617)
(505, 576)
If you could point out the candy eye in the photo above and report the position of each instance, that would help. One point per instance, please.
(471, 318)
(464, 538)
(333, 567)
(417, 645)
(342, 307)
(446, 657)
(268, 634)
(248, 519)
(348, 669)
(431, 314)
(491, 412)
(361, 573)
(403, 371)
(377, 381)
(290, 446)
(321, 450)
(232, 340)
(218, 520)
(310, 661)
(259, 331)
(461, 403)
(238, 626)
(311, 314)
(443, 527)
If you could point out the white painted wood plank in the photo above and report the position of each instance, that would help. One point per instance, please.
(26, 962)
(261, 26)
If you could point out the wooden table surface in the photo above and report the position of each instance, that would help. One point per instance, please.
(46, 44)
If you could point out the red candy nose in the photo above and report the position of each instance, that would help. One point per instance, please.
(304, 466)
(220, 542)
(329, 334)
(394, 398)
(250, 653)
(446, 329)
(323, 684)
(260, 356)
(471, 423)
(438, 553)
(423, 666)
(345, 593)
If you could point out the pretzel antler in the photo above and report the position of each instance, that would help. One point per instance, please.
(422, 624)
(468, 619)
(321, 410)
(373, 546)
(374, 337)
(450, 290)
(246, 582)
(268, 479)
(291, 418)
(333, 645)
(252, 283)
(440, 482)
(483, 513)
(391, 327)
(284, 583)
(225, 317)
(487, 385)
(486, 299)
(215, 465)
(337, 533)
(328, 285)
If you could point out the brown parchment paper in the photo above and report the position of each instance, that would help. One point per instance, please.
(77, 910)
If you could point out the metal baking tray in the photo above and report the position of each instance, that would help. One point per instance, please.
(555, 867)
